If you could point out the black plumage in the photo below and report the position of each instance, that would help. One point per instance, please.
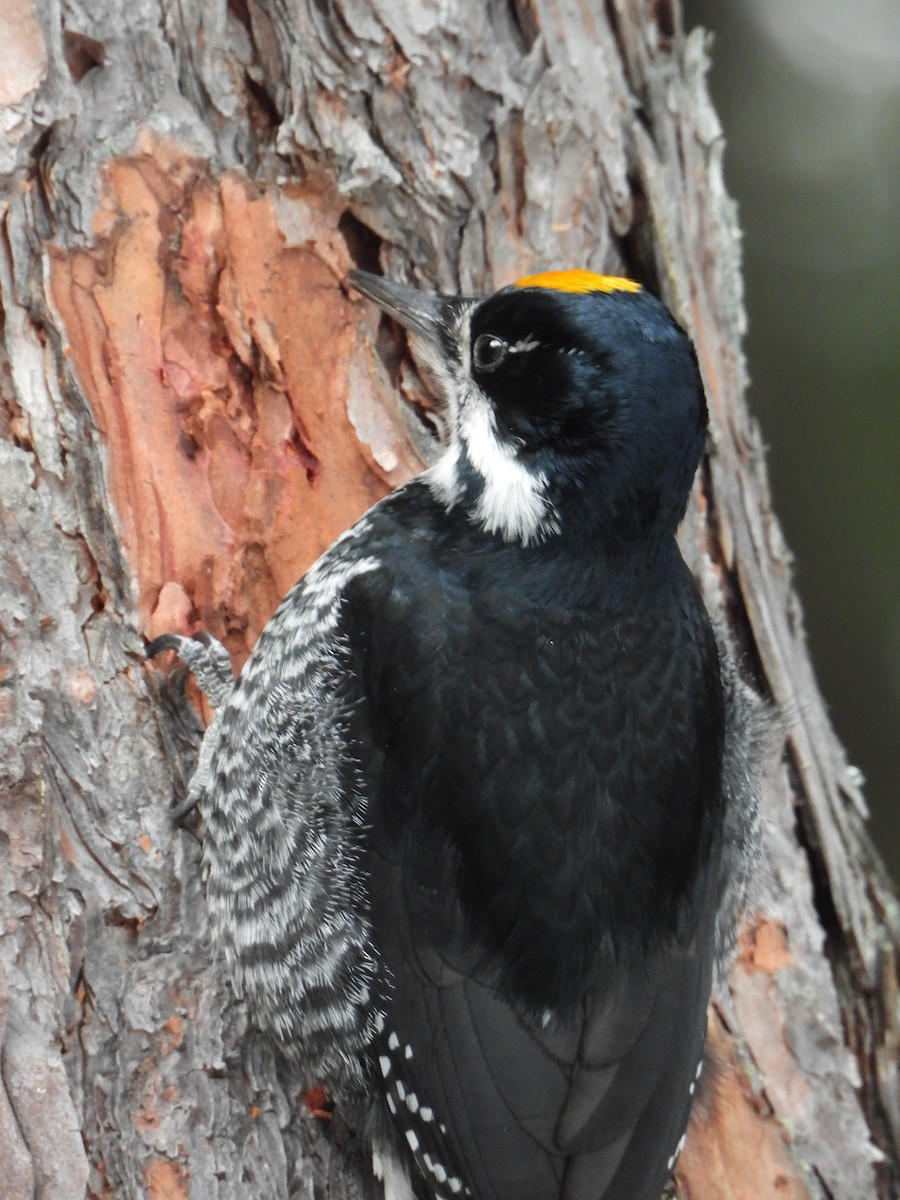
(466, 808)
(544, 796)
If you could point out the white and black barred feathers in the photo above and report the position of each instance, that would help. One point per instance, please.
(282, 812)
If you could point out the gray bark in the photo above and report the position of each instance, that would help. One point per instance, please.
(191, 407)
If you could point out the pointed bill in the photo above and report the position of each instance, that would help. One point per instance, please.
(417, 311)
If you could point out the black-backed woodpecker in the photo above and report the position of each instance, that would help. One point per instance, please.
(479, 811)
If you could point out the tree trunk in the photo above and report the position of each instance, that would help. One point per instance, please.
(193, 406)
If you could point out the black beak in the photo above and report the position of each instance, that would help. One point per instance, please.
(417, 311)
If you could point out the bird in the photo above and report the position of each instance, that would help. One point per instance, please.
(480, 812)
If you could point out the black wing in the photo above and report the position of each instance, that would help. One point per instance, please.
(535, 1044)
(584, 1106)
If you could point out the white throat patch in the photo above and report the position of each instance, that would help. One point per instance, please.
(513, 500)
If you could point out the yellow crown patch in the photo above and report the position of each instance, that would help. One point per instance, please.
(578, 281)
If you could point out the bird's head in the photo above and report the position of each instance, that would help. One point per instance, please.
(576, 406)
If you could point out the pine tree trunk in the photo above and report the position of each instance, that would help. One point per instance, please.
(192, 406)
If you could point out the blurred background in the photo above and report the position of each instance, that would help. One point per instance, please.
(808, 92)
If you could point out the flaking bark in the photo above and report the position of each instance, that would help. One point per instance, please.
(191, 408)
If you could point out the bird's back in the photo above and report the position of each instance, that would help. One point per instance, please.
(541, 749)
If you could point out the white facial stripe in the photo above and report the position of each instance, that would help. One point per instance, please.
(513, 500)
(444, 476)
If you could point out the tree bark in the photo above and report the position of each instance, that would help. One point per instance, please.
(192, 406)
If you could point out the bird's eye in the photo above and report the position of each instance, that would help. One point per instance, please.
(488, 352)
